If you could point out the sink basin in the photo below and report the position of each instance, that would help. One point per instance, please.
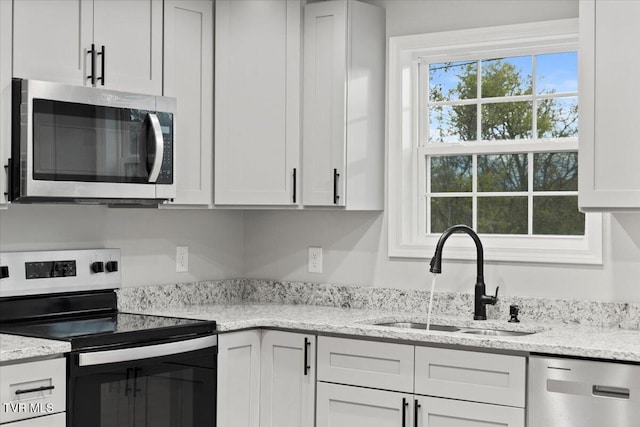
(496, 333)
(412, 325)
(449, 328)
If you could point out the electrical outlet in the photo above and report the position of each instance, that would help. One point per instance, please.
(182, 259)
(315, 260)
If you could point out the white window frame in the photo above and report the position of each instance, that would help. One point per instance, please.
(406, 166)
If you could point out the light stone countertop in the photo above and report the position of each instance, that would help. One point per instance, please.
(556, 339)
(13, 347)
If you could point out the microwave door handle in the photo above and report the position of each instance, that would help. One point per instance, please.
(159, 144)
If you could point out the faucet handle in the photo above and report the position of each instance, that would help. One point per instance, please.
(494, 299)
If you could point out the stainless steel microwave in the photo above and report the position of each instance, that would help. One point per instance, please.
(87, 145)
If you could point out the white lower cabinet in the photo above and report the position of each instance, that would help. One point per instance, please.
(239, 379)
(266, 378)
(439, 412)
(288, 377)
(348, 406)
(368, 383)
(34, 392)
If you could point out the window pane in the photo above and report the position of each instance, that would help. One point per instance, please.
(453, 80)
(451, 174)
(555, 172)
(557, 215)
(557, 72)
(507, 120)
(507, 76)
(453, 123)
(502, 172)
(558, 118)
(448, 211)
(502, 215)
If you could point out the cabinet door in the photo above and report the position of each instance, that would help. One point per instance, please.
(188, 76)
(325, 68)
(437, 412)
(347, 406)
(257, 103)
(470, 375)
(609, 153)
(363, 363)
(288, 379)
(239, 379)
(51, 39)
(131, 33)
(5, 95)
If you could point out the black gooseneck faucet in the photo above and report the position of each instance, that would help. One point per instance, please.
(481, 300)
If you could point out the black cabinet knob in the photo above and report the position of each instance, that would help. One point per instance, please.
(97, 267)
(112, 266)
(4, 271)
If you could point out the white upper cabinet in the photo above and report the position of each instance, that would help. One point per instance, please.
(257, 102)
(130, 32)
(609, 152)
(344, 92)
(52, 41)
(188, 76)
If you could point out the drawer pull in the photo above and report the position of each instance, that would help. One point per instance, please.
(35, 390)
(613, 392)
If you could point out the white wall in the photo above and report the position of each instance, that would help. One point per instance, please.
(147, 238)
(355, 243)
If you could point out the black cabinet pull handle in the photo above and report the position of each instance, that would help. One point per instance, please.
(416, 407)
(93, 53)
(336, 175)
(34, 390)
(404, 411)
(101, 53)
(307, 344)
(295, 181)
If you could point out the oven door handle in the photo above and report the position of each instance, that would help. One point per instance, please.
(158, 140)
(145, 352)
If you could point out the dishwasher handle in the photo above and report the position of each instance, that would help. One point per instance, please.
(611, 392)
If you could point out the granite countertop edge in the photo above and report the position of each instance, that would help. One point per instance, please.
(553, 339)
(15, 347)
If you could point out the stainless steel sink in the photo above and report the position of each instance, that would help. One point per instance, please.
(496, 332)
(449, 328)
(412, 325)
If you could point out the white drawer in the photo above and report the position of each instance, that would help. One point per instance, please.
(468, 375)
(379, 365)
(32, 389)
(55, 420)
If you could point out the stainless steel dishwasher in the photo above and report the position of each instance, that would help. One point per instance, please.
(572, 393)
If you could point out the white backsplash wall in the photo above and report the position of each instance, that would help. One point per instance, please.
(147, 238)
(355, 253)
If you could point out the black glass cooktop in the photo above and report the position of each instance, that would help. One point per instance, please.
(86, 322)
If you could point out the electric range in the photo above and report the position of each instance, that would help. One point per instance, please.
(124, 369)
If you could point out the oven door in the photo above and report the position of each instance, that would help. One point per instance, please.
(87, 143)
(161, 385)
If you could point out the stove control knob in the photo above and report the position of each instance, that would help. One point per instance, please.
(97, 267)
(112, 266)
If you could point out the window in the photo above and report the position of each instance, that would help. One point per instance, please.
(484, 132)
